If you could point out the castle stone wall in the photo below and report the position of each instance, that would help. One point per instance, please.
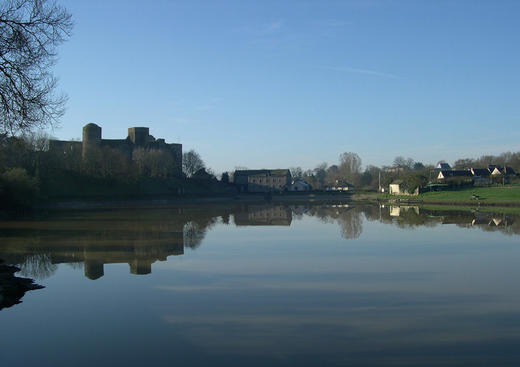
(138, 137)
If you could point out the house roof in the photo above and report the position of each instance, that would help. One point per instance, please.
(271, 172)
(482, 172)
(300, 182)
(505, 170)
(444, 166)
(456, 173)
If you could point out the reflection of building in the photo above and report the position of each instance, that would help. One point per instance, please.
(139, 257)
(395, 211)
(264, 215)
(103, 238)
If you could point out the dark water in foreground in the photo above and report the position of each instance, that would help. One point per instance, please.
(264, 285)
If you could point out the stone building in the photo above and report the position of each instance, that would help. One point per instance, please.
(138, 137)
(262, 180)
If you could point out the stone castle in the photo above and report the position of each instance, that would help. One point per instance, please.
(138, 137)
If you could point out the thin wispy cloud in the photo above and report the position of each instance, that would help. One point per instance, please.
(272, 27)
(332, 23)
(348, 69)
(262, 29)
(210, 105)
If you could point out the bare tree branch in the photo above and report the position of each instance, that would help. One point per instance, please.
(30, 33)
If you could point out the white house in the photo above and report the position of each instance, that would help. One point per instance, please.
(340, 185)
(299, 185)
(396, 188)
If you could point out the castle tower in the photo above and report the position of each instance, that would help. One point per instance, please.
(138, 135)
(91, 138)
(140, 267)
(93, 269)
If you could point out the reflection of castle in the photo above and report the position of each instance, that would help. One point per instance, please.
(106, 238)
(140, 237)
(264, 215)
(136, 237)
(139, 257)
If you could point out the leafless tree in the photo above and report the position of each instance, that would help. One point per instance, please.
(30, 33)
(296, 172)
(350, 167)
(191, 163)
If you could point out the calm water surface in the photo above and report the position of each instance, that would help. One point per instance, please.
(264, 285)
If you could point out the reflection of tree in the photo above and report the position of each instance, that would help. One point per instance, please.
(323, 213)
(351, 224)
(372, 212)
(349, 218)
(225, 218)
(38, 266)
(76, 265)
(411, 217)
(514, 228)
(195, 231)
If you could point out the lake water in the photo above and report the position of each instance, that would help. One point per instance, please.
(264, 285)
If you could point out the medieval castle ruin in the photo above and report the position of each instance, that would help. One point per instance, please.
(138, 137)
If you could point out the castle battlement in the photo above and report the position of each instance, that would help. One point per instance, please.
(138, 137)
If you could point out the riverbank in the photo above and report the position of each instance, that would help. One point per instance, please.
(157, 201)
(13, 288)
(503, 196)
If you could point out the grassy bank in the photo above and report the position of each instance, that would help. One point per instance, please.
(496, 196)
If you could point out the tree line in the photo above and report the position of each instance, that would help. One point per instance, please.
(413, 173)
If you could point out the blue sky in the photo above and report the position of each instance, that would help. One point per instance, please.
(273, 84)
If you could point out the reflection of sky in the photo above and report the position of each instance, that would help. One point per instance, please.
(299, 295)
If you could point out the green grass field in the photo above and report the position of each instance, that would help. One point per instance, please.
(487, 195)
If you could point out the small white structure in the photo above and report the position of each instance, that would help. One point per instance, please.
(396, 188)
(299, 185)
(340, 185)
